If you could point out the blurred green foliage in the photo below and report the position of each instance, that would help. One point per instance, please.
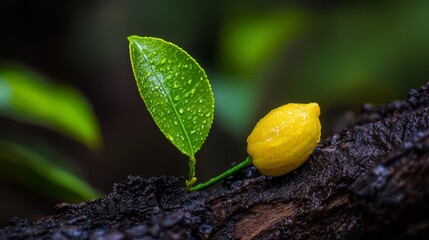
(31, 98)
(372, 52)
(251, 39)
(43, 177)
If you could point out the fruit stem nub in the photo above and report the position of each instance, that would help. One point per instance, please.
(246, 163)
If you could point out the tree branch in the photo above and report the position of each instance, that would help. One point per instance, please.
(369, 181)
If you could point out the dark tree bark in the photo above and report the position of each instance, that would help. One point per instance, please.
(369, 181)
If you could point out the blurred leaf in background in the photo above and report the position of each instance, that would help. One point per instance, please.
(249, 44)
(253, 38)
(29, 97)
(376, 51)
(43, 177)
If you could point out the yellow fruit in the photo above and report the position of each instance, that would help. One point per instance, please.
(283, 139)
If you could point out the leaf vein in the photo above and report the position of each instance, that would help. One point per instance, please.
(170, 100)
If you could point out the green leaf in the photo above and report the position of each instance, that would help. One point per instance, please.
(29, 97)
(175, 89)
(33, 170)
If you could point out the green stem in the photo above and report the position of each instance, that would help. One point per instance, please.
(192, 179)
(246, 163)
(192, 162)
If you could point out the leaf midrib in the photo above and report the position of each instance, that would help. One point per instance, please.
(170, 100)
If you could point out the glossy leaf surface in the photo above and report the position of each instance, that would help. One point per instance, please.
(29, 97)
(175, 90)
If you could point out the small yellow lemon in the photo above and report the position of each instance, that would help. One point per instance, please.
(283, 139)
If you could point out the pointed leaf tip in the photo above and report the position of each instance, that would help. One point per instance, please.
(176, 91)
(132, 38)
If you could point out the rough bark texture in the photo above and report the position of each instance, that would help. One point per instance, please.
(369, 181)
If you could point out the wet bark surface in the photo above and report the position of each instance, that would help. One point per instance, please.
(369, 181)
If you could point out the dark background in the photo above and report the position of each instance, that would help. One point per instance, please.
(341, 55)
